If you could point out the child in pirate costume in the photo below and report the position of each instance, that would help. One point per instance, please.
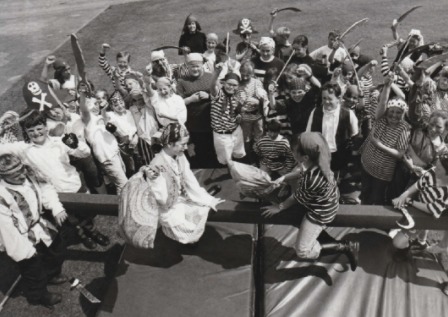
(318, 194)
(50, 156)
(253, 99)
(247, 49)
(26, 235)
(337, 124)
(266, 60)
(302, 99)
(161, 68)
(119, 72)
(61, 122)
(183, 204)
(120, 122)
(225, 118)
(63, 80)
(283, 48)
(274, 151)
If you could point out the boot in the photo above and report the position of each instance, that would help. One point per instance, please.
(349, 248)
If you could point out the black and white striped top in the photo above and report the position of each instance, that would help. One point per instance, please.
(275, 154)
(434, 195)
(318, 196)
(376, 162)
(224, 112)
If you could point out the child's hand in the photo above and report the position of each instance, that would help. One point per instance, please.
(150, 172)
(185, 50)
(383, 51)
(274, 12)
(272, 88)
(400, 201)
(203, 95)
(304, 72)
(279, 180)
(60, 218)
(50, 60)
(373, 63)
(389, 79)
(394, 24)
(269, 211)
(105, 47)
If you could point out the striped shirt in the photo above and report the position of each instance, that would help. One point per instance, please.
(376, 162)
(435, 196)
(385, 69)
(224, 112)
(275, 154)
(261, 67)
(252, 89)
(112, 71)
(318, 196)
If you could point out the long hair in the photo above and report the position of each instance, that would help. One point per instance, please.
(316, 147)
(191, 18)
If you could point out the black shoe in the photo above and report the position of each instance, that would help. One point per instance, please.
(48, 299)
(98, 237)
(352, 253)
(58, 279)
(88, 242)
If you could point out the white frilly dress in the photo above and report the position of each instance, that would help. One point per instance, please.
(183, 203)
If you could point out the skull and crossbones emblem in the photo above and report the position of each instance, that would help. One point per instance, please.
(35, 89)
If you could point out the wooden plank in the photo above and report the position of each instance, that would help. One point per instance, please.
(358, 216)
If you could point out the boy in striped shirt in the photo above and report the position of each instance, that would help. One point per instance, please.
(225, 118)
(274, 151)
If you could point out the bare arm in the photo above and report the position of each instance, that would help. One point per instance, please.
(44, 75)
(85, 113)
(384, 97)
(271, 22)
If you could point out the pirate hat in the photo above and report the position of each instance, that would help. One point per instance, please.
(245, 26)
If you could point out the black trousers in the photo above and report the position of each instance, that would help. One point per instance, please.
(37, 271)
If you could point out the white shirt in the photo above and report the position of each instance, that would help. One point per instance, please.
(14, 235)
(124, 122)
(52, 160)
(339, 55)
(330, 123)
(73, 125)
(104, 144)
(173, 107)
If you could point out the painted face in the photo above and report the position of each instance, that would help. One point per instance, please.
(297, 94)
(436, 127)
(16, 178)
(230, 86)
(211, 44)
(273, 134)
(331, 41)
(442, 83)
(37, 134)
(246, 74)
(266, 52)
(122, 63)
(164, 89)
(195, 70)
(394, 115)
(329, 100)
(245, 37)
(179, 147)
(300, 50)
(192, 27)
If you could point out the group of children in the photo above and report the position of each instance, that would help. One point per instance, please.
(247, 108)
